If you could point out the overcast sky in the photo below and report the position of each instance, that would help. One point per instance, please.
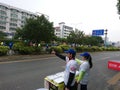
(86, 15)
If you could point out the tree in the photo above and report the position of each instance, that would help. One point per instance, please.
(61, 40)
(36, 30)
(93, 40)
(118, 6)
(2, 35)
(76, 37)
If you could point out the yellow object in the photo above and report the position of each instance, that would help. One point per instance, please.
(56, 81)
(53, 85)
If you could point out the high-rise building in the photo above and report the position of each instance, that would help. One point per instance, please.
(63, 30)
(12, 18)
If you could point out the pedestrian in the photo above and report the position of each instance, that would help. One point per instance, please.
(70, 69)
(84, 70)
(10, 45)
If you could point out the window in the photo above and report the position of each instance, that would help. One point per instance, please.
(23, 17)
(3, 18)
(14, 15)
(13, 20)
(2, 23)
(3, 12)
(12, 29)
(13, 24)
(2, 27)
(3, 7)
(14, 11)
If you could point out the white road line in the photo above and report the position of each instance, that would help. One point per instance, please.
(101, 59)
(7, 62)
(41, 89)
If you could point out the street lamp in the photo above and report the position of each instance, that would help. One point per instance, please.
(38, 13)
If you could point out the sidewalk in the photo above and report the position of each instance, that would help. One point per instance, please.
(23, 57)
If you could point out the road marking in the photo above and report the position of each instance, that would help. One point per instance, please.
(7, 62)
(102, 59)
(105, 58)
(42, 89)
(114, 79)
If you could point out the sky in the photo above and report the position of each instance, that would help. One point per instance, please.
(85, 15)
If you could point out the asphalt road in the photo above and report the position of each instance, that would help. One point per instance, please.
(28, 73)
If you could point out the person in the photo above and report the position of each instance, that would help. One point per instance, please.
(84, 70)
(10, 45)
(70, 69)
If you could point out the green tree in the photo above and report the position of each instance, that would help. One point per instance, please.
(76, 37)
(2, 35)
(61, 40)
(36, 29)
(118, 6)
(93, 40)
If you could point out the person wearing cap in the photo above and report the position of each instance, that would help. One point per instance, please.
(84, 70)
(70, 69)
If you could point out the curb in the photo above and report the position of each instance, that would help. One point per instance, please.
(23, 57)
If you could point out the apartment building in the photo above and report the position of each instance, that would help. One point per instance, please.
(63, 30)
(12, 18)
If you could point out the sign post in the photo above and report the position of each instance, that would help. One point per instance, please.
(105, 41)
(98, 32)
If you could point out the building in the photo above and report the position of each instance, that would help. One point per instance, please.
(12, 18)
(62, 30)
(117, 44)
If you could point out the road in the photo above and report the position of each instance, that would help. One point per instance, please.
(29, 74)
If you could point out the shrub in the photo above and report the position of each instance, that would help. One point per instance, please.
(64, 47)
(26, 50)
(79, 49)
(21, 48)
(17, 46)
(37, 50)
(95, 48)
(3, 50)
(56, 48)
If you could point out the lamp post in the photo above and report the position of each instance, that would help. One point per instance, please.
(105, 41)
(38, 13)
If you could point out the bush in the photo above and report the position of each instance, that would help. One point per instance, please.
(95, 48)
(112, 49)
(26, 50)
(22, 49)
(3, 50)
(17, 46)
(56, 48)
(79, 49)
(64, 47)
(37, 50)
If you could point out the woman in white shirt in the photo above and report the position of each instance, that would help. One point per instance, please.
(84, 70)
(70, 69)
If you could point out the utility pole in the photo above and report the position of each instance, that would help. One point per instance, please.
(105, 41)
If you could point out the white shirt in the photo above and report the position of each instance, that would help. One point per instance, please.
(71, 66)
(86, 68)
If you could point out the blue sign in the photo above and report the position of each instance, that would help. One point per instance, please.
(98, 32)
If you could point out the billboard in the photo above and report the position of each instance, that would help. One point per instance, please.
(98, 32)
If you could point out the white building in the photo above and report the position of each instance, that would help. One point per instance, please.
(117, 44)
(62, 30)
(12, 18)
